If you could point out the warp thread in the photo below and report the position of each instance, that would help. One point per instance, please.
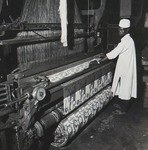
(39, 11)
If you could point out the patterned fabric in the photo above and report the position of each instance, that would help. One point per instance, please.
(69, 126)
(71, 71)
(80, 96)
(80, 89)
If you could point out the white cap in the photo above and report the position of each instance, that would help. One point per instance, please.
(124, 23)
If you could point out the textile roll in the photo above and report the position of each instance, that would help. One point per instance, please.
(84, 97)
(80, 117)
(80, 89)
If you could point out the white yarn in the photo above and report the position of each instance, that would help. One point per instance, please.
(64, 22)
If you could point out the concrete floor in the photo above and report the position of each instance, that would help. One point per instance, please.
(112, 130)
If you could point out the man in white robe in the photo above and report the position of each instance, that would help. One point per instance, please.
(125, 77)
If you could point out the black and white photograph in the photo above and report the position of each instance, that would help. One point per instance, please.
(73, 75)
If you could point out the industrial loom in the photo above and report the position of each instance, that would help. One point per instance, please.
(57, 84)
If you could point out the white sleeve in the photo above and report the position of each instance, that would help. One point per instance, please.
(116, 51)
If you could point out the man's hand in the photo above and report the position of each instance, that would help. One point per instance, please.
(102, 55)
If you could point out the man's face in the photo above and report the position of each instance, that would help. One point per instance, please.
(121, 32)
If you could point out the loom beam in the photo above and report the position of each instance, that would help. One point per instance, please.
(40, 39)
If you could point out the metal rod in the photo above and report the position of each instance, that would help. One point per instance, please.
(40, 39)
(3, 94)
(16, 101)
(3, 89)
(3, 99)
(18, 26)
